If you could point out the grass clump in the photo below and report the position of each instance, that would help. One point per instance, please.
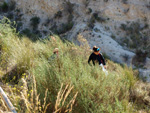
(85, 88)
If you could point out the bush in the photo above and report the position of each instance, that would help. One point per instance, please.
(65, 27)
(12, 5)
(140, 58)
(58, 14)
(138, 38)
(99, 19)
(4, 7)
(19, 25)
(7, 7)
(33, 36)
(96, 92)
(123, 27)
(26, 32)
(69, 7)
(86, 2)
(91, 22)
(10, 15)
(148, 6)
(113, 36)
(134, 27)
(126, 57)
(125, 1)
(70, 18)
(105, 0)
(34, 22)
(89, 11)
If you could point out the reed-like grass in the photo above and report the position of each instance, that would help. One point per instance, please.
(97, 93)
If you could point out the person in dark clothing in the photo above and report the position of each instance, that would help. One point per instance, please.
(96, 57)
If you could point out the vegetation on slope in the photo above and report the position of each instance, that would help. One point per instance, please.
(36, 83)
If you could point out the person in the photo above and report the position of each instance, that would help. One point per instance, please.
(55, 55)
(56, 52)
(97, 57)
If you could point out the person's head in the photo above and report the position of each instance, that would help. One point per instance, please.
(55, 51)
(96, 50)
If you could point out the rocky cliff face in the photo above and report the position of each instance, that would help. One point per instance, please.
(119, 27)
(118, 11)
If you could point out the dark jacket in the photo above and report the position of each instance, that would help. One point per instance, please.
(97, 58)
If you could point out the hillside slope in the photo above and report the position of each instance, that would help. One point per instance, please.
(122, 25)
(35, 82)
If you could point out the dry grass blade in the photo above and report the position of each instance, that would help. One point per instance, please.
(37, 102)
(71, 103)
(25, 88)
(46, 108)
(27, 104)
(67, 93)
(32, 98)
(58, 98)
(3, 105)
(33, 104)
(61, 98)
(62, 95)
(34, 85)
(45, 99)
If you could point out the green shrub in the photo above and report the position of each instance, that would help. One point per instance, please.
(123, 27)
(113, 36)
(65, 27)
(86, 2)
(148, 6)
(12, 5)
(4, 7)
(126, 57)
(33, 36)
(10, 15)
(34, 22)
(99, 19)
(125, 1)
(96, 92)
(69, 7)
(58, 14)
(141, 55)
(138, 38)
(19, 25)
(70, 18)
(26, 32)
(95, 17)
(91, 22)
(89, 11)
(105, 0)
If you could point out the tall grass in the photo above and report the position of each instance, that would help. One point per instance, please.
(97, 92)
